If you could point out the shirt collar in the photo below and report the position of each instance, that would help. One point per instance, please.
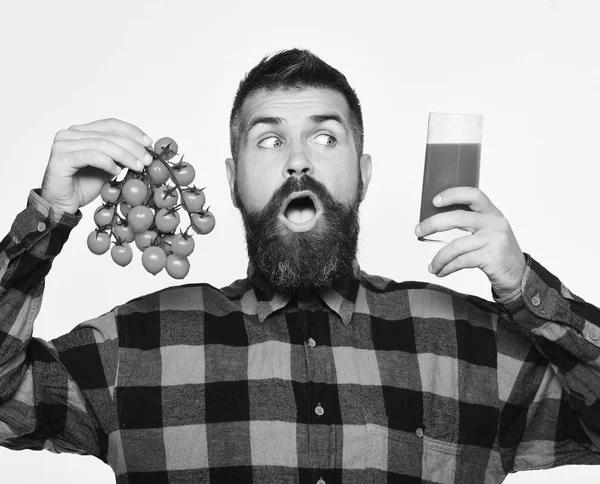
(340, 297)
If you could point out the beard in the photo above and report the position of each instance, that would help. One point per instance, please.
(302, 263)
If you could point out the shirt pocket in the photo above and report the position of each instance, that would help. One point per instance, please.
(411, 451)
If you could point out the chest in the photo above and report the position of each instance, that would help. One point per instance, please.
(304, 391)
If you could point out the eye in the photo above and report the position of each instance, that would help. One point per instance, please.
(270, 142)
(326, 139)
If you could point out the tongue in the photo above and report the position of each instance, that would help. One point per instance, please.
(300, 215)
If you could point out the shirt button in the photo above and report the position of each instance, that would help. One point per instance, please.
(319, 410)
(594, 335)
(535, 300)
(312, 343)
(41, 226)
(419, 432)
(321, 481)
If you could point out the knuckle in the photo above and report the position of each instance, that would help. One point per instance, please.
(57, 147)
(502, 223)
(498, 213)
(86, 155)
(60, 135)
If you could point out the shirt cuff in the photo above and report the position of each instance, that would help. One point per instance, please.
(540, 299)
(40, 218)
(56, 215)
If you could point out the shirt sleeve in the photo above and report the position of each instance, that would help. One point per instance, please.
(549, 382)
(46, 388)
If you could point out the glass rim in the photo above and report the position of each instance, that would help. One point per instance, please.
(444, 128)
(457, 114)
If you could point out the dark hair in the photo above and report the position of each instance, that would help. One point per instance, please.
(293, 69)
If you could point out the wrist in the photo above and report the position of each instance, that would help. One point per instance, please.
(508, 296)
(56, 206)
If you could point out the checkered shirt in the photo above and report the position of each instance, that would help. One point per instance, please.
(373, 381)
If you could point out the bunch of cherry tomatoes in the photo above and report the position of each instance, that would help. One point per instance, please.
(143, 208)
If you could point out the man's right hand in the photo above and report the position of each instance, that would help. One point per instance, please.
(84, 156)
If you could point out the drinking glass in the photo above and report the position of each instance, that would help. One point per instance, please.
(452, 159)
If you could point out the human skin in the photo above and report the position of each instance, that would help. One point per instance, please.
(271, 154)
(297, 146)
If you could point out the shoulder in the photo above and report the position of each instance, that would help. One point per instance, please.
(186, 297)
(427, 299)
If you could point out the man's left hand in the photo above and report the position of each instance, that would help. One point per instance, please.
(492, 246)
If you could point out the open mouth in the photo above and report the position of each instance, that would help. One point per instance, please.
(301, 211)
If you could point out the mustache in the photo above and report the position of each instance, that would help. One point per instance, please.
(299, 184)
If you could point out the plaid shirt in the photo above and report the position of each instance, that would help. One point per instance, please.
(374, 381)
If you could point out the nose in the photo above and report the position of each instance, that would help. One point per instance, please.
(298, 164)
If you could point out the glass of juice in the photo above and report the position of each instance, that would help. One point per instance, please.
(451, 160)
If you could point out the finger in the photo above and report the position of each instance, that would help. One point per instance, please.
(130, 145)
(86, 157)
(454, 219)
(116, 126)
(464, 252)
(119, 154)
(473, 197)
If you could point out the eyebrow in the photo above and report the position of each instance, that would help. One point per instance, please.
(315, 119)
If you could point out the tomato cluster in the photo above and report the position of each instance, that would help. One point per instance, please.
(143, 208)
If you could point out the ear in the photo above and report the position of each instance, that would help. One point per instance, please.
(230, 167)
(365, 171)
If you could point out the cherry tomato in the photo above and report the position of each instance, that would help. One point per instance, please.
(166, 243)
(158, 172)
(135, 192)
(163, 144)
(168, 201)
(166, 221)
(145, 239)
(109, 193)
(104, 215)
(194, 200)
(202, 223)
(125, 208)
(121, 254)
(177, 266)
(140, 218)
(154, 259)
(124, 232)
(184, 173)
(182, 246)
(98, 242)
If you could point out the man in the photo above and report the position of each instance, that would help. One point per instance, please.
(309, 370)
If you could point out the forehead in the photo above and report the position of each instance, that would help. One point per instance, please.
(294, 104)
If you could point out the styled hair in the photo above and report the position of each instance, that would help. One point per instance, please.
(293, 69)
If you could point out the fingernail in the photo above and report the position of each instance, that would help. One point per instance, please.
(418, 230)
(147, 141)
(148, 158)
(437, 200)
(139, 165)
(430, 268)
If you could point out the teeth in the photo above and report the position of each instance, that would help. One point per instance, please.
(300, 216)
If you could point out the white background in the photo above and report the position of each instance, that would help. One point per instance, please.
(172, 68)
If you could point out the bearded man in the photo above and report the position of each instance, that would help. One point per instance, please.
(309, 370)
